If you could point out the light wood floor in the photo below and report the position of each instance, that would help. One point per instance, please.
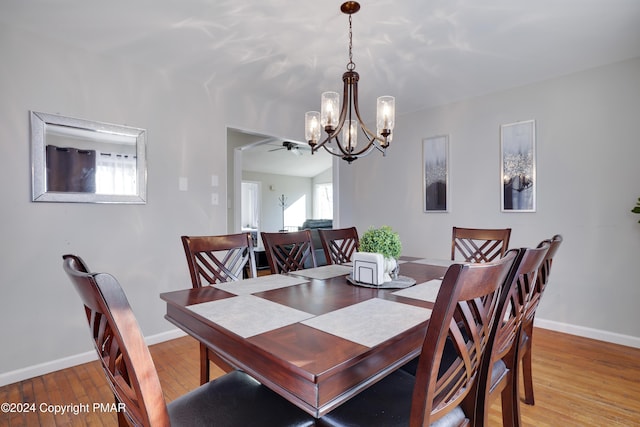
(578, 382)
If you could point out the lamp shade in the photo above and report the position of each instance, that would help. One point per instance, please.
(330, 109)
(312, 127)
(386, 112)
(350, 135)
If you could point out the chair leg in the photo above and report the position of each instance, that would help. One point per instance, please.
(204, 364)
(507, 406)
(510, 402)
(122, 419)
(527, 380)
(527, 377)
(510, 395)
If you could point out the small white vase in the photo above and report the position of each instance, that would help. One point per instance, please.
(390, 265)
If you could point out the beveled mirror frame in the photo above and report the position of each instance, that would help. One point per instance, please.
(96, 132)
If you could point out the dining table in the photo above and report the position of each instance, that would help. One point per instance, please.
(313, 336)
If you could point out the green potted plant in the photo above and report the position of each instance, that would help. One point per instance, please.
(637, 208)
(386, 242)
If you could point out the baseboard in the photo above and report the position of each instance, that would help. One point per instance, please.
(76, 359)
(582, 331)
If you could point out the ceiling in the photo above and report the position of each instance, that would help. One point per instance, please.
(268, 155)
(424, 52)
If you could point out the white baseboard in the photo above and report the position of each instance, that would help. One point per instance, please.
(582, 331)
(77, 359)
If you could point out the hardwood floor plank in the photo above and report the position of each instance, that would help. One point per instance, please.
(40, 396)
(577, 382)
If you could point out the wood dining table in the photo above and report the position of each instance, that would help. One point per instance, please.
(311, 335)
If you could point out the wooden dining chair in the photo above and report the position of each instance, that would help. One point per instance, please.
(235, 399)
(499, 374)
(289, 251)
(339, 244)
(464, 312)
(219, 259)
(212, 260)
(526, 339)
(479, 244)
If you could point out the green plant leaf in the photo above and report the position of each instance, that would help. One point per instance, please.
(636, 209)
(381, 240)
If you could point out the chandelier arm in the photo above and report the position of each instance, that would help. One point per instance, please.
(373, 142)
(351, 79)
(382, 143)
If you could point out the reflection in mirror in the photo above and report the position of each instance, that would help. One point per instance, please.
(84, 161)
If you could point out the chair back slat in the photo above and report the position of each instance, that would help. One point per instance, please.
(478, 244)
(517, 293)
(289, 251)
(219, 259)
(543, 274)
(339, 244)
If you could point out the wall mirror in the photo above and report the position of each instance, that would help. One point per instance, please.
(75, 160)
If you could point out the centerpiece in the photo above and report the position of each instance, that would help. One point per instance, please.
(386, 242)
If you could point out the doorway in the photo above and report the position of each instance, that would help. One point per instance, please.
(285, 170)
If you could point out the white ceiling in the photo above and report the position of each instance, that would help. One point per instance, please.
(424, 52)
(269, 156)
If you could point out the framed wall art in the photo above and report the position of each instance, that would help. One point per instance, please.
(518, 166)
(435, 178)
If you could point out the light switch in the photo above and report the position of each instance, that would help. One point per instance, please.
(214, 199)
(183, 183)
(214, 180)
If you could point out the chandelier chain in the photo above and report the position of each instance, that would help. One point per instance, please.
(351, 65)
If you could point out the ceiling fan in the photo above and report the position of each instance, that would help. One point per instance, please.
(290, 146)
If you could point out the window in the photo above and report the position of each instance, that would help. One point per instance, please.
(250, 205)
(323, 201)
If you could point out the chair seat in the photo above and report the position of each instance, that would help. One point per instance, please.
(498, 372)
(386, 403)
(235, 399)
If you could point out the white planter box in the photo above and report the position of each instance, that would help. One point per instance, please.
(368, 268)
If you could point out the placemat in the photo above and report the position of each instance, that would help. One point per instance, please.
(260, 284)
(324, 272)
(427, 291)
(248, 315)
(370, 322)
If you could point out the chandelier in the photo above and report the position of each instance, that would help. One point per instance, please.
(343, 128)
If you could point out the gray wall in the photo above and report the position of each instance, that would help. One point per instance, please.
(42, 324)
(588, 152)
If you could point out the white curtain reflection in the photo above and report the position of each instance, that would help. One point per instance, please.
(250, 207)
(116, 174)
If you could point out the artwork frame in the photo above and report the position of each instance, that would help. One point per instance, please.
(518, 180)
(435, 174)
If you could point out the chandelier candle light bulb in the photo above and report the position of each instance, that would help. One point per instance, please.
(330, 104)
(312, 127)
(350, 135)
